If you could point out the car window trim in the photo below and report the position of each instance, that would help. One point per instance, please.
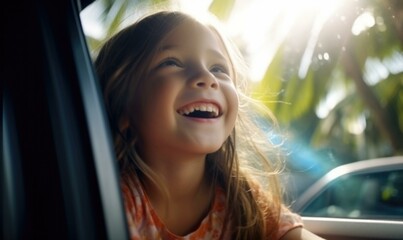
(361, 228)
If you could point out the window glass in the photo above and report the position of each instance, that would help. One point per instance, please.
(329, 71)
(370, 196)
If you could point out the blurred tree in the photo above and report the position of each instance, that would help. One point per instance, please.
(113, 15)
(364, 122)
(336, 84)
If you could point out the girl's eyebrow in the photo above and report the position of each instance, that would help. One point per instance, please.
(217, 54)
(168, 47)
(212, 51)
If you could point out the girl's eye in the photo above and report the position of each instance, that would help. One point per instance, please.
(219, 69)
(170, 63)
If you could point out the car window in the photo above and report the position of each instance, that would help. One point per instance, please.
(330, 71)
(59, 178)
(371, 196)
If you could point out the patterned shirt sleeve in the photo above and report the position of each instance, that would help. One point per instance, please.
(288, 221)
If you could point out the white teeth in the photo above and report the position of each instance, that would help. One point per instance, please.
(205, 107)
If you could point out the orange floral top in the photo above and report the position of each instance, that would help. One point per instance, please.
(144, 223)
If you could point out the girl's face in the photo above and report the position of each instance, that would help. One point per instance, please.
(190, 101)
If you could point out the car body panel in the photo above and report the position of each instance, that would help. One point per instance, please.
(360, 167)
(354, 229)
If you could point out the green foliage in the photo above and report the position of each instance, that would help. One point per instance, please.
(294, 99)
(116, 21)
(303, 96)
(222, 8)
(269, 89)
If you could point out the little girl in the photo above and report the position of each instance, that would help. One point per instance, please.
(186, 149)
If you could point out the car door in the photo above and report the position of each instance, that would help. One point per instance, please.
(58, 176)
(354, 229)
(360, 200)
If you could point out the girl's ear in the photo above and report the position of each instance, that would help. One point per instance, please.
(127, 127)
(124, 127)
(125, 130)
(123, 124)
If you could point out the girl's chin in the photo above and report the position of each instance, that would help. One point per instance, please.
(211, 150)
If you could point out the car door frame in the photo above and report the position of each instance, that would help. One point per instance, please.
(58, 174)
(354, 229)
(58, 177)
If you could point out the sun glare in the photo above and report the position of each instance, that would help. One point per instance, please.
(91, 26)
(363, 22)
(262, 25)
(258, 26)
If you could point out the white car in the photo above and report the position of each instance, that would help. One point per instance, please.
(369, 190)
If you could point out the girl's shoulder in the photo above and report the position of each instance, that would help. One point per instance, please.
(130, 186)
(141, 218)
(288, 220)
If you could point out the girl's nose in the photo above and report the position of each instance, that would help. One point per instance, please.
(205, 79)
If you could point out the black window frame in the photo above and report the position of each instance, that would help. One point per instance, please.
(59, 178)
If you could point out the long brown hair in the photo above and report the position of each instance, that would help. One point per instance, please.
(122, 66)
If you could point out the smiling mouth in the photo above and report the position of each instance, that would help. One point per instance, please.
(200, 110)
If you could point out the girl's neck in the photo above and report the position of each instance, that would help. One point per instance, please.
(183, 177)
(189, 194)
